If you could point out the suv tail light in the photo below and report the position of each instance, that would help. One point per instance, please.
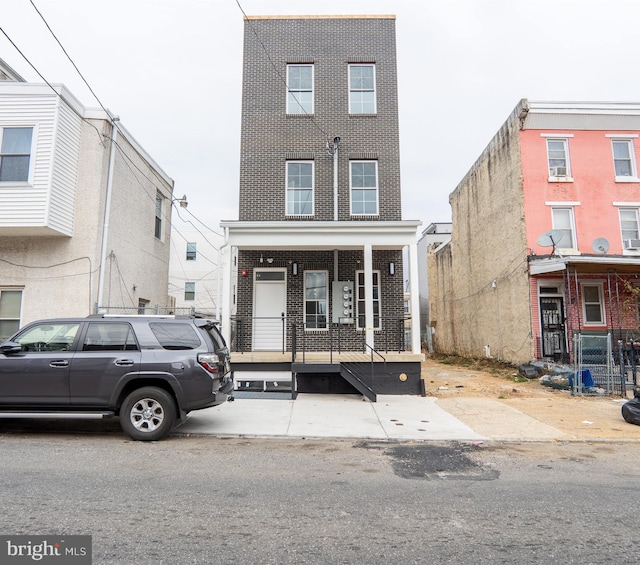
(210, 361)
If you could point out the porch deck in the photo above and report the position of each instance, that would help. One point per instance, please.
(326, 357)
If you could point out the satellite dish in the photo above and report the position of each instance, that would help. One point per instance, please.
(600, 245)
(549, 238)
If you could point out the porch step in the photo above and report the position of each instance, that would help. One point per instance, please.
(315, 367)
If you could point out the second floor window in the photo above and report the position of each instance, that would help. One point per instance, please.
(15, 154)
(299, 188)
(158, 220)
(189, 291)
(563, 221)
(558, 155)
(629, 227)
(299, 89)
(623, 161)
(364, 188)
(191, 251)
(362, 89)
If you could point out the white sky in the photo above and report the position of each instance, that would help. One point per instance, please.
(171, 69)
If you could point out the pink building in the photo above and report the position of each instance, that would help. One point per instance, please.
(546, 235)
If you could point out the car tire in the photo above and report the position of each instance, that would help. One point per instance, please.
(147, 414)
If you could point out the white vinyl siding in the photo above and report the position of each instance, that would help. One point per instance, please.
(46, 203)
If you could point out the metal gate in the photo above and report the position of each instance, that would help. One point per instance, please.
(553, 332)
(595, 353)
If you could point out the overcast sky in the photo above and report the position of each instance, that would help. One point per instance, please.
(171, 70)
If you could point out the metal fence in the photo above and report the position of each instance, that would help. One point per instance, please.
(599, 364)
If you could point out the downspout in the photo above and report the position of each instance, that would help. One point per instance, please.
(107, 210)
(336, 142)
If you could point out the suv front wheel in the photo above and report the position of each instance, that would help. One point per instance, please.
(147, 414)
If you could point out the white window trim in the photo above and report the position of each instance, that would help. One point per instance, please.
(304, 312)
(19, 289)
(625, 250)
(32, 153)
(352, 188)
(574, 235)
(357, 300)
(375, 89)
(185, 291)
(292, 91)
(559, 137)
(159, 198)
(632, 156)
(287, 189)
(603, 315)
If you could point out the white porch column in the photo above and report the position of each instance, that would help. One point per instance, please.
(368, 295)
(415, 298)
(227, 292)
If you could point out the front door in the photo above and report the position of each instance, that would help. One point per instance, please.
(269, 307)
(553, 332)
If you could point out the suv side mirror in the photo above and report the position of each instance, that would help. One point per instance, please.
(10, 347)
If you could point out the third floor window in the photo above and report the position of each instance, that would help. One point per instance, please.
(15, 154)
(558, 156)
(623, 161)
(191, 251)
(362, 89)
(299, 89)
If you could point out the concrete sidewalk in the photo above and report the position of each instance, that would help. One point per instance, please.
(351, 416)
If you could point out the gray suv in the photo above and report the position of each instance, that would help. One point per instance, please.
(150, 371)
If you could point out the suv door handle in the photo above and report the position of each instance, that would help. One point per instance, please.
(59, 364)
(124, 362)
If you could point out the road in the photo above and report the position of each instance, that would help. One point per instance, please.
(207, 500)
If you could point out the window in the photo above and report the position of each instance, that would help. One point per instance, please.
(189, 291)
(362, 89)
(558, 154)
(629, 226)
(48, 337)
(360, 304)
(191, 251)
(299, 89)
(10, 304)
(15, 154)
(364, 188)
(142, 306)
(299, 188)
(623, 161)
(109, 336)
(315, 299)
(158, 226)
(562, 219)
(592, 305)
(175, 336)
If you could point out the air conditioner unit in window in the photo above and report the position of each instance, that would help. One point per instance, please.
(558, 172)
(632, 243)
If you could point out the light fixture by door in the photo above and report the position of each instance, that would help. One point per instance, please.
(392, 268)
(294, 269)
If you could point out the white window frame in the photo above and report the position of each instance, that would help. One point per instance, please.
(572, 228)
(355, 107)
(552, 169)
(189, 291)
(29, 179)
(11, 319)
(324, 299)
(599, 286)
(192, 251)
(292, 191)
(295, 103)
(353, 190)
(360, 302)
(633, 176)
(625, 238)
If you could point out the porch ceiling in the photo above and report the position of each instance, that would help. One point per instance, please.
(321, 235)
(595, 264)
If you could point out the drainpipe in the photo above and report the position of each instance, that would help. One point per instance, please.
(107, 209)
(336, 142)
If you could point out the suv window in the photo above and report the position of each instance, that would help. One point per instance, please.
(175, 336)
(48, 337)
(103, 336)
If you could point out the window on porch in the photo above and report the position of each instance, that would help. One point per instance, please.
(360, 305)
(592, 305)
(315, 299)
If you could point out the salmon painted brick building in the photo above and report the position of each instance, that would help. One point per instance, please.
(546, 236)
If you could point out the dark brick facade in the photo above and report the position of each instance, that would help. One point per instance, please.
(270, 136)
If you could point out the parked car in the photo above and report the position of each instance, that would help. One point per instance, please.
(151, 371)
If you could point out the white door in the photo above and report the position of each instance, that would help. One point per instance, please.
(269, 307)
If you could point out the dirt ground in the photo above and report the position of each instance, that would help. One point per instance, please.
(456, 382)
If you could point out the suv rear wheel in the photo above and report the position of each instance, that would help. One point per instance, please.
(147, 414)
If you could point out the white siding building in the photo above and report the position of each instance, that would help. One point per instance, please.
(84, 210)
